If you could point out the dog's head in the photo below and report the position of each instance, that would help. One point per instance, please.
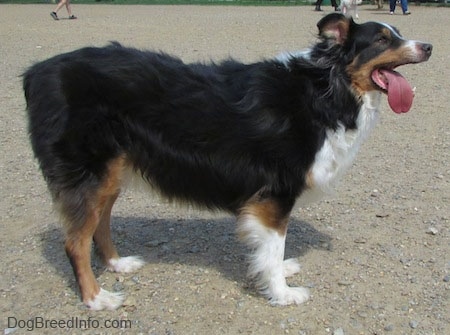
(371, 52)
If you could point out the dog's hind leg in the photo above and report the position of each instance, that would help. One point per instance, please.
(263, 225)
(93, 209)
(105, 246)
(78, 249)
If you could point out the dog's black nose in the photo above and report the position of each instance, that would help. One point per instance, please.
(427, 48)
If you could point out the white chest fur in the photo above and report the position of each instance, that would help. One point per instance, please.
(339, 150)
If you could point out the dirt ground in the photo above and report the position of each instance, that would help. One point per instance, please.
(376, 256)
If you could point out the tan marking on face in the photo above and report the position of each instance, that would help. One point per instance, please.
(386, 32)
(361, 76)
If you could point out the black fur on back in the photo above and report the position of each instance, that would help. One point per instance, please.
(209, 134)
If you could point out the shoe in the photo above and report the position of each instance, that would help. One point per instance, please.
(318, 9)
(392, 13)
(54, 16)
(407, 12)
(337, 9)
(72, 17)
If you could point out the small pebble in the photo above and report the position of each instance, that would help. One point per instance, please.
(338, 331)
(447, 278)
(389, 328)
(344, 283)
(130, 301)
(117, 287)
(194, 249)
(413, 324)
(152, 244)
(432, 231)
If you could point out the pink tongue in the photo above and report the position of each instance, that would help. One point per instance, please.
(400, 93)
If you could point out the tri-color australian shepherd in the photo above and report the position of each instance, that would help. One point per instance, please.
(250, 139)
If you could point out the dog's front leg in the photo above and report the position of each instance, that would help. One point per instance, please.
(262, 225)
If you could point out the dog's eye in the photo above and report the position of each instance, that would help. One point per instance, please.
(382, 39)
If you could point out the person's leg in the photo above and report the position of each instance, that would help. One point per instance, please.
(318, 3)
(392, 4)
(404, 4)
(68, 7)
(59, 5)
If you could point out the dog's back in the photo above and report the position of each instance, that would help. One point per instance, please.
(221, 126)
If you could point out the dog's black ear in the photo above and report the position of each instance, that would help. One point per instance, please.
(335, 27)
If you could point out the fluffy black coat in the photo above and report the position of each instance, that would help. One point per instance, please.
(209, 134)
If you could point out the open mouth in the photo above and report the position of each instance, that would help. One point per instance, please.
(399, 91)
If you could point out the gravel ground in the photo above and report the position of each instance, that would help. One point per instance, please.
(375, 256)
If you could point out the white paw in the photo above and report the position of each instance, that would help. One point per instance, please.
(106, 300)
(125, 264)
(289, 295)
(290, 267)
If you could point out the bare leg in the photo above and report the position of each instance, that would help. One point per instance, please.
(68, 7)
(59, 5)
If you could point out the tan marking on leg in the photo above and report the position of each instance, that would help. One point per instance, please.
(78, 249)
(107, 196)
(262, 226)
(269, 212)
(102, 236)
(79, 237)
(113, 181)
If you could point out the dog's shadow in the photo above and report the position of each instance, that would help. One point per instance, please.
(205, 243)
